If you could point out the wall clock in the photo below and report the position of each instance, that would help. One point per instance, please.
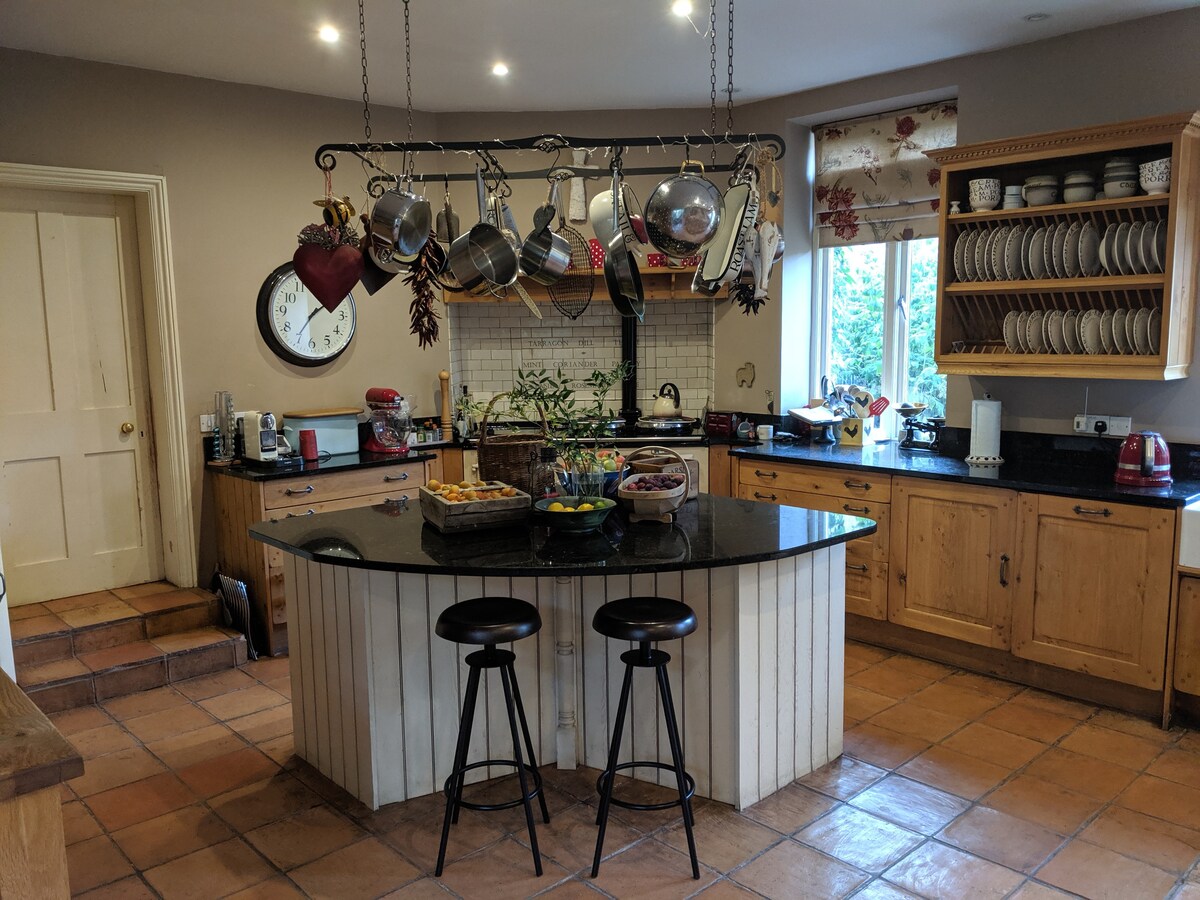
(295, 325)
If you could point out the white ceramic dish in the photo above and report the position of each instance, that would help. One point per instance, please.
(1037, 254)
(1023, 331)
(1154, 327)
(1120, 240)
(1133, 248)
(1106, 332)
(981, 255)
(1089, 250)
(1089, 332)
(1130, 318)
(1120, 335)
(1010, 332)
(960, 269)
(1054, 330)
(1012, 253)
(1159, 247)
(1058, 251)
(1026, 241)
(1071, 337)
(1033, 332)
(994, 253)
(1141, 332)
(1071, 250)
(1146, 247)
(999, 258)
(1106, 243)
(969, 256)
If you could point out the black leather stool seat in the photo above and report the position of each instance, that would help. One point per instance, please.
(489, 620)
(644, 619)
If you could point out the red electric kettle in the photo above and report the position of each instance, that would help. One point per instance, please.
(1144, 460)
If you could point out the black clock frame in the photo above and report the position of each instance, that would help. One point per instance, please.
(263, 309)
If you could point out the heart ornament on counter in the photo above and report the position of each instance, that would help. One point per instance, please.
(329, 273)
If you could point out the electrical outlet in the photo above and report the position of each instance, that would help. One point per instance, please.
(207, 422)
(1108, 426)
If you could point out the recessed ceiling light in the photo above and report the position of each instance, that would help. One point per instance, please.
(1037, 17)
(500, 69)
(328, 34)
(682, 8)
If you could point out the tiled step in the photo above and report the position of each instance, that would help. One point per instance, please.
(97, 675)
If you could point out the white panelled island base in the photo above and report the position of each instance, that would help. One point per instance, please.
(758, 687)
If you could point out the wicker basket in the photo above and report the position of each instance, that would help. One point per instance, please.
(508, 457)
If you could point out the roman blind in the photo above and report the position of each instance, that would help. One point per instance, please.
(874, 181)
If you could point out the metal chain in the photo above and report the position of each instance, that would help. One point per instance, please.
(729, 92)
(712, 77)
(362, 45)
(410, 158)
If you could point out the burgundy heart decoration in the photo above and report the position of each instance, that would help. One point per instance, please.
(329, 274)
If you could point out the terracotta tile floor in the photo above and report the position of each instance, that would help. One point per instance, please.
(953, 785)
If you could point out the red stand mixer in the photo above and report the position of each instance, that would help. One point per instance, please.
(1144, 461)
(391, 422)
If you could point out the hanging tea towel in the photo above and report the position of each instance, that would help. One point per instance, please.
(579, 204)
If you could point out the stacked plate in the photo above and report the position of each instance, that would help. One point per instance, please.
(1134, 248)
(1121, 332)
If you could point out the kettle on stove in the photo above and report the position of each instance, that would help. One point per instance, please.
(1144, 460)
(667, 403)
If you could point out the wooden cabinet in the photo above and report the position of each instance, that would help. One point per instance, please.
(1187, 636)
(952, 551)
(833, 490)
(241, 502)
(972, 306)
(1095, 587)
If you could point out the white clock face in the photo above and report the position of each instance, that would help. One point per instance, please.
(297, 327)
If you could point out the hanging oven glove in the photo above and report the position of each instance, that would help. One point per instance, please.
(579, 205)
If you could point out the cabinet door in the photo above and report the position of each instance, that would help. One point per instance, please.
(1187, 637)
(1095, 587)
(866, 581)
(951, 560)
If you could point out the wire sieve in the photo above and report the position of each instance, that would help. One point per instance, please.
(572, 293)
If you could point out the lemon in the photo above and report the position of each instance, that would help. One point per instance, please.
(555, 507)
(584, 507)
(434, 484)
(568, 509)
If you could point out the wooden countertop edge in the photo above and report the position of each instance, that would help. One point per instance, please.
(33, 755)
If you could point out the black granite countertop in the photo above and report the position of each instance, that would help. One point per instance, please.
(709, 532)
(1042, 473)
(338, 462)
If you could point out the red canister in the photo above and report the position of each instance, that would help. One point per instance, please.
(308, 444)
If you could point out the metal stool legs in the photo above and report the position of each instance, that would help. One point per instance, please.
(527, 774)
(645, 657)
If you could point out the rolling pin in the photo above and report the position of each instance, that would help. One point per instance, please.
(447, 424)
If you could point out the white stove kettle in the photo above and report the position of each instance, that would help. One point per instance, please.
(667, 403)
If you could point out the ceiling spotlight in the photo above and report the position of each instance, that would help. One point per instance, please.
(682, 8)
(328, 34)
(1037, 17)
(500, 69)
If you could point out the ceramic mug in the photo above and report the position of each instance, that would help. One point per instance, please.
(984, 193)
(766, 432)
(1155, 177)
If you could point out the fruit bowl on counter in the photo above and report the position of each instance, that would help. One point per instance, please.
(655, 496)
(574, 515)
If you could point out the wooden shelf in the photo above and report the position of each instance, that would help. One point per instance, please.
(657, 284)
(970, 314)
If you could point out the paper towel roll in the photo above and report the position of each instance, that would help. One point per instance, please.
(985, 433)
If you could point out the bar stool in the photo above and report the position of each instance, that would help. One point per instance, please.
(645, 620)
(490, 621)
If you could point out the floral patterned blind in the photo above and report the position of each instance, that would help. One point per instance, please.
(874, 181)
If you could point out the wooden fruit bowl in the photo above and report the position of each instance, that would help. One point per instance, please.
(654, 506)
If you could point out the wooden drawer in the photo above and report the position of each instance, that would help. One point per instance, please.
(316, 488)
(868, 509)
(304, 509)
(814, 480)
(866, 581)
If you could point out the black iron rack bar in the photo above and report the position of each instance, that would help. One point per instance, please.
(326, 158)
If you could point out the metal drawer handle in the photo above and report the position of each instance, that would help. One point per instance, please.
(857, 568)
(291, 493)
(1003, 570)
(397, 501)
(758, 496)
(857, 485)
(403, 476)
(766, 474)
(857, 509)
(1084, 511)
(311, 512)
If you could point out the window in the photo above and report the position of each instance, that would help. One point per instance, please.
(876, 200)
(877, 319)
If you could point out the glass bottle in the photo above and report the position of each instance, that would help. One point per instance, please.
(543, 480)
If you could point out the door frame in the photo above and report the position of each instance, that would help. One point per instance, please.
(160, 309)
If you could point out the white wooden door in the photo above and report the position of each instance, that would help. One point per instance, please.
(78, 509)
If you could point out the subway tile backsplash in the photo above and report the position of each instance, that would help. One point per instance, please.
(489, 341)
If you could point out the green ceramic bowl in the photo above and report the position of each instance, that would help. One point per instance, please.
(575, 522)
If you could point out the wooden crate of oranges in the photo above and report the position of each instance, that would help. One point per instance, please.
(472, 505)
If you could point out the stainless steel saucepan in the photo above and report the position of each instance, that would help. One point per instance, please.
(545, 255)
(483, 259)
(401, 221)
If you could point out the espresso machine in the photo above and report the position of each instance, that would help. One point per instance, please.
(391, 421)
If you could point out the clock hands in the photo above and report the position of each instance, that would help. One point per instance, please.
(309, 319)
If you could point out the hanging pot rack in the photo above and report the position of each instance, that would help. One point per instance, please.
(326, 155)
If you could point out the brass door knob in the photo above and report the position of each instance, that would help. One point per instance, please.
(126, 428)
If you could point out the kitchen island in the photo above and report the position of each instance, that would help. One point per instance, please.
(376, 694)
